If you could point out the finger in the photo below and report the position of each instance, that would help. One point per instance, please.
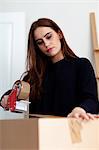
(69, 115)
(4, 101)
(84, 116)
(74, 115)
(96, 115)
(91, 116)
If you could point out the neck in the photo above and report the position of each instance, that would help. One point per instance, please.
(57, 57)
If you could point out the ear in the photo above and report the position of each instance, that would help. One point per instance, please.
(60, 34)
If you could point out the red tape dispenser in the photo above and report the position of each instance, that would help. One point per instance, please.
(12, 99)
(20, 90)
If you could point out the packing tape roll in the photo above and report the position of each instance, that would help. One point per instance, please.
(23, 89)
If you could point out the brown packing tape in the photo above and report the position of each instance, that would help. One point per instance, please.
(75, 130)
(25, 90)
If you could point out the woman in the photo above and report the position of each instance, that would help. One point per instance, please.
(62, 84)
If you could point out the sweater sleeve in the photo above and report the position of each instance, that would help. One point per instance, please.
(88, 95)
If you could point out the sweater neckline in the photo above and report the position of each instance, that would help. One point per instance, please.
(59, 62)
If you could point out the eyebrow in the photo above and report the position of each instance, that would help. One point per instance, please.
(44, 36)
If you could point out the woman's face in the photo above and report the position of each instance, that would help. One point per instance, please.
(49, 43)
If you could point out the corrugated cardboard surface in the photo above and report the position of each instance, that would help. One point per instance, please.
(19, 134)
(49, 133)
(55, 134)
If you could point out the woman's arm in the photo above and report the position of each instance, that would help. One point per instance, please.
(87, 94)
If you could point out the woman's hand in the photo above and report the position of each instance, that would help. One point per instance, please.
(80, 113)
(4, 102)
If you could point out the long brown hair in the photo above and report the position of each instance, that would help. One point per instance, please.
(37, 61)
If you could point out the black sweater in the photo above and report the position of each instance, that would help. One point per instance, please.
(68, 84)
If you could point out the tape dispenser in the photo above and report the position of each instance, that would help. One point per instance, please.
(20, 91)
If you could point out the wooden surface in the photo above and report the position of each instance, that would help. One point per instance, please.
(95, 42)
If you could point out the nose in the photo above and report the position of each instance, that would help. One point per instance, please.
(46, 43)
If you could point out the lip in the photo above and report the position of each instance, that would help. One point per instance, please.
(49, 50)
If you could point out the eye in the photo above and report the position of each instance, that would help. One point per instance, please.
(48, 36)
(39, 42)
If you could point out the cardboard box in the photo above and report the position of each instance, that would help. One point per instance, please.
(49, 133)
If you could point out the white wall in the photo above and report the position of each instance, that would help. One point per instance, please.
(71, 15)
(12, 49)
